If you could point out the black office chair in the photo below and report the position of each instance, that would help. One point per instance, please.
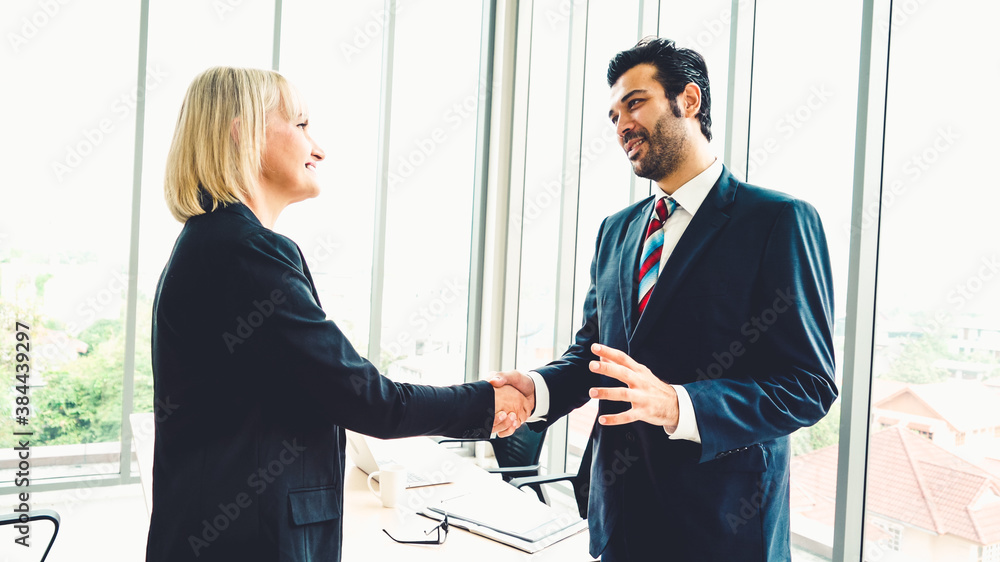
(580, 480)
(517, 456)
(38, 514)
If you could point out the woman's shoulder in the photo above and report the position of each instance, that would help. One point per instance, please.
(227, 240)
(231, 228)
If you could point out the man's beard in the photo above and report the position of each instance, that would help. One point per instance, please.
(665, 149)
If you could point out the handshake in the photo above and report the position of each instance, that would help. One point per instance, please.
(514, 395)
(651, 399)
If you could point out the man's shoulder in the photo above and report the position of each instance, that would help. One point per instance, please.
(626, 215)
(763, 195)
(757, 199)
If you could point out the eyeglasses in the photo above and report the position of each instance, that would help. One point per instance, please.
(442, 534)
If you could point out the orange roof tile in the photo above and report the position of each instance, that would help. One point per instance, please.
(965, 405)
(911, 480)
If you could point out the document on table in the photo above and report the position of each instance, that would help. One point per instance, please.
(509, 516)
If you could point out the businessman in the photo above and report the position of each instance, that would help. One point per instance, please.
(707, 337)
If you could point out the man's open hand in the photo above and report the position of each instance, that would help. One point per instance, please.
(653, 401)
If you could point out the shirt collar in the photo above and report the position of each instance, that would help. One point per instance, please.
(691, 195)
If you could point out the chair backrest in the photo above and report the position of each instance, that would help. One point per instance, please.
(36, 515)
(522, 448)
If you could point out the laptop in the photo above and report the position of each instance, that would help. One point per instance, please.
(361, 452)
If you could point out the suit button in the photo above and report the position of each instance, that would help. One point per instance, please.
(630, 437)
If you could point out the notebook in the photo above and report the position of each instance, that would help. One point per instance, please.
(507, 515)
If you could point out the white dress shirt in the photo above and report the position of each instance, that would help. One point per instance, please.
(689, 198)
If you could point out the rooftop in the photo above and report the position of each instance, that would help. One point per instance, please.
(910, 480)
(965, 405)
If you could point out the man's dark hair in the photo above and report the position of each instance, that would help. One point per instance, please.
(675, 68)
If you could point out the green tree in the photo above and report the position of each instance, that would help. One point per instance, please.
(82, 404)
(40, 284)
(11, 313)
(824, 433)
(101, 331)
(916, 362)
(81, 401)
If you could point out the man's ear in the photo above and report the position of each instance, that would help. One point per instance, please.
(689, 100)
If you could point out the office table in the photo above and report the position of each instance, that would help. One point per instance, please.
(364, 516)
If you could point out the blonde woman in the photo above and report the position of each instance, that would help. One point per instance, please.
(249, 461)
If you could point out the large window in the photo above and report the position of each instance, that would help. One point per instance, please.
(937, 328)
(704, 27)
(605, 174)
(435, 102)
(335, 230)
(65, 204)
(545, 178)
(804, 98)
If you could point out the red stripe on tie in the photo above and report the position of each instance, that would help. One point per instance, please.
(660, 214)
(652, 260)
(645, 299)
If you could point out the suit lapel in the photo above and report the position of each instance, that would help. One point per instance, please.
(704, 226)
(628, 261)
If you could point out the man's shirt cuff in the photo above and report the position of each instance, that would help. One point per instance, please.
(687, 424)
(541, 398)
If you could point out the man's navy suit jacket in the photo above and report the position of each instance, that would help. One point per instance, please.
(253, 386)
(742, 317)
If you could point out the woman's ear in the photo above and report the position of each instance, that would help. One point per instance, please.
(234, 130)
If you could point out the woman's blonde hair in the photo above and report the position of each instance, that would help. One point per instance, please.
(219, 138)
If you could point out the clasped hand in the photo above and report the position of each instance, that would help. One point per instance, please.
(515, 401)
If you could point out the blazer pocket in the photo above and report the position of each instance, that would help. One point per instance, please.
(752, 458)
(313, 505)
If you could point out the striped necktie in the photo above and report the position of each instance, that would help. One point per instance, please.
(649, 264)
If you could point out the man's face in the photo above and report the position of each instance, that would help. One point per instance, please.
(650, 127)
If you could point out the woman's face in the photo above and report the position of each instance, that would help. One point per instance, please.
(289, 159)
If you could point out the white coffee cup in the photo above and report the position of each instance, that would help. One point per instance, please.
(392, 484)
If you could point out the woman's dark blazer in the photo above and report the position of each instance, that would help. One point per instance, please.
(253, 390)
